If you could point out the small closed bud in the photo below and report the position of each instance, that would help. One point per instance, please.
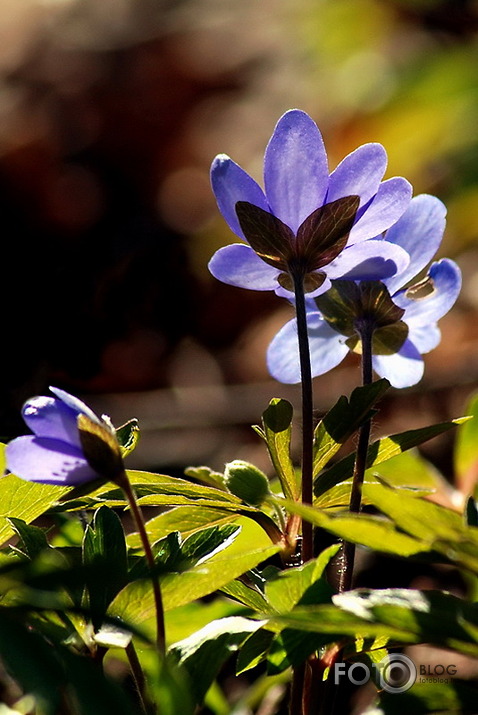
(246, 481)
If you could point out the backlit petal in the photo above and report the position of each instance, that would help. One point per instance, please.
(424, 337)
(419, 231)
(326, 350)
(359, 174)
(49, 417)
(295, 168)
(389, 203)
(74, 403)
(231, 184)
(368, 260)
(403, 369)
(240, 266)
(50, 461)
(446, 277)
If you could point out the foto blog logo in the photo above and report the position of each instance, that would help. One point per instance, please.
(396, 673)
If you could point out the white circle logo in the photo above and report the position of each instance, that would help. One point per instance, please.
(397, 673)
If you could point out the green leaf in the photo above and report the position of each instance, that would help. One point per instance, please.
(440, 529)
(336, 624)
(247, 595)
(426, 616)
(298, 586)
(185, 519)
(179, 500)
(31, 662)
(24, 500)
(407, 471)
(417, 517)
(135, 602)
(373, 532)
(171, 688)
(154, 490)
(128, 436)
(343, 419)
(276, 422)
(254, 650)
(380, 451)
(410, 469)
(202, 544)
(147, 484)
(203, 653)
(33, 539)
(466, 446)
(401, 615)
(292, 647)
(303, 583)
(207, 476)
(104, 549)
(91, 692)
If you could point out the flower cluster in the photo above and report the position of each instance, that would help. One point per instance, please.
(307, 223)
(349, 240)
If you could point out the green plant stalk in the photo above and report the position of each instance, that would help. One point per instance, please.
(365, 330)
(307, 413)
(297, 690)
(139, 680)
(125, 485)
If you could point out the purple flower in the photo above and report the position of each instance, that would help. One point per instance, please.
(410, 329)
(307, 218)
(55, 453)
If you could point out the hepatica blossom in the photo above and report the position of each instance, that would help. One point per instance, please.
(404, 317)
(70, 444)
(307, 224)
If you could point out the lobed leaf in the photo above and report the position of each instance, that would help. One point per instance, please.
(251, 547)
(104, 549)
(343, 419)
(204, 652)
(276, 422)
(24, 500)
(128, 436)
(466, 447)
(370, 531)
(380, 451)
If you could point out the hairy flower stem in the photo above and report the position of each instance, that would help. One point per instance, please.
(138, 677)
(307, 413)
(297, 690)
(365, 330)
(125, 485)
(300, 684)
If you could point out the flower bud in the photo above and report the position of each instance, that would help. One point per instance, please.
(100, 447)
(246, 481)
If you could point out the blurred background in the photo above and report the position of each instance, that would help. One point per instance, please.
(110, 115)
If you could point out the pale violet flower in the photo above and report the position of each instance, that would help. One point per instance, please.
(55, 452)
(318, 224)
(412, 332)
